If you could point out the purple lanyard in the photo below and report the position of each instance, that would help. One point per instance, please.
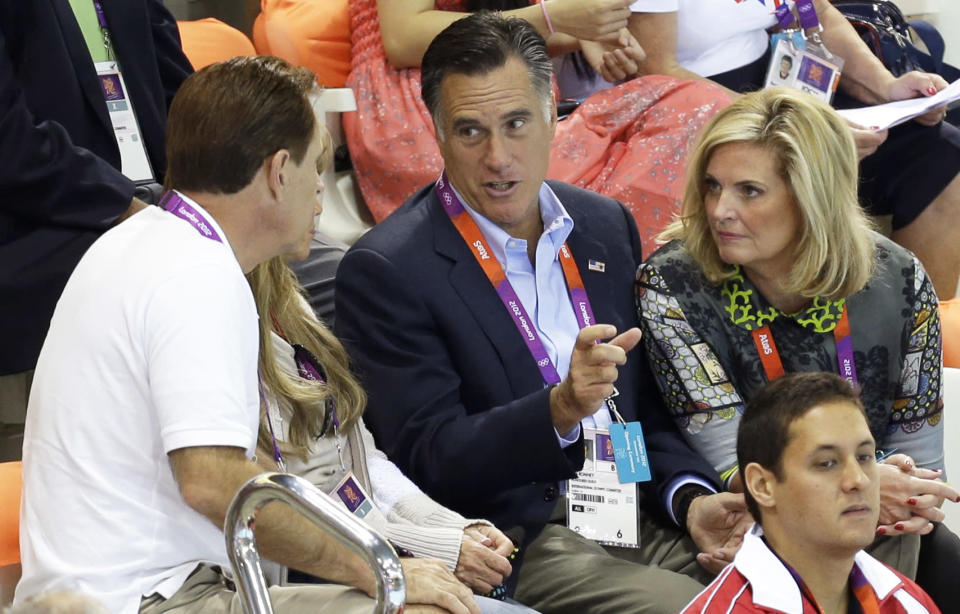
(498, 278)
(805, 9)
(277, 456)
(807, 14)
(307, 367)
(784, 16)
(844, 341)
(101, 18)
(102, 21)
(172, 202)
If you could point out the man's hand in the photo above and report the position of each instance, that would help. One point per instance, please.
(615, 62)
(136, 205)
(593, 370)
(910, 497)
(483, 564)
(430, 583)
(915, 84)
(717, 523)
(589, 19)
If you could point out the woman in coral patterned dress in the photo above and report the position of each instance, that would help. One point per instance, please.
(628, 142)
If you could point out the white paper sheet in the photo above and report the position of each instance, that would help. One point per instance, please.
(883, 116)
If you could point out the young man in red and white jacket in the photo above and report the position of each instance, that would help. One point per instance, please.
(809, 471)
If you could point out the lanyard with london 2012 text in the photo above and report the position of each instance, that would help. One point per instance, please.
(309, 368)
(862, 598)
(620, 511)
(172, 202)
(498, 278)
(770, 356)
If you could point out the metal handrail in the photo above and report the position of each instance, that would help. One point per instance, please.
(319, 508)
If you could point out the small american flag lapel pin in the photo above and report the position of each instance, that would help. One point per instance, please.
(596, 265)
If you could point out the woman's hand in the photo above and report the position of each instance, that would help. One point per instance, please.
(615, 62)
(594, 20)
(915, 84)
(910, 497)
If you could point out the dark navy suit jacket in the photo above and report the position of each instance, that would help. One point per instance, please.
(456, 398)
(60, 186)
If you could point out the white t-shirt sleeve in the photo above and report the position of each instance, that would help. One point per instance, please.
(201, 347)
(655, 6)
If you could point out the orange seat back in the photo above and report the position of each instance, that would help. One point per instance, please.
(207, 41)
(311, 33)
(11, 484)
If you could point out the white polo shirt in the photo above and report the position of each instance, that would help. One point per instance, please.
(714, 36)
(152, 347)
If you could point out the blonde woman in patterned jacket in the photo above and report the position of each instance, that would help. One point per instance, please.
(773, 267)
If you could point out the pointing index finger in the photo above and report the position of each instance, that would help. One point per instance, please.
(591, 335)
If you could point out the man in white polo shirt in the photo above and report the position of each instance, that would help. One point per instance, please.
(144, 413)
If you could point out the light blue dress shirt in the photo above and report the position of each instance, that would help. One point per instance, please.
(543, 291)
(543, 288)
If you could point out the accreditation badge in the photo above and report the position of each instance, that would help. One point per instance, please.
(134, 163)
(806, 69)
(599, 506)
(350, 495)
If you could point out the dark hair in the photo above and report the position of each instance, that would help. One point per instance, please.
(481, 43)
(495, 5)
(764, 429)
(229, 117)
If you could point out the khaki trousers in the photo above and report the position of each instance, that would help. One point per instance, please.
(564, 573)
(902, 552)
(207, 591)
(14, 393)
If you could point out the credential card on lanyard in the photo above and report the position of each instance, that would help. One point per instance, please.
(599, 506)
(135, 164)
(630, 452)
(804, 70)
(351, 496)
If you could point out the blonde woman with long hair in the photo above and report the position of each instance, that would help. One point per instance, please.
(312, 426)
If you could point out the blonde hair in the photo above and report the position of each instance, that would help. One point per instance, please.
(283, 309)
(818, 160)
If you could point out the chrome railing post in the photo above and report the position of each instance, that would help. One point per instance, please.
(322, 511)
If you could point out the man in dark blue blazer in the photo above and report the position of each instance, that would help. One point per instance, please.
(460, 396)
(60, 183)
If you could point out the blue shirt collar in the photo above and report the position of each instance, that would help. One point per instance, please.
(557, 225)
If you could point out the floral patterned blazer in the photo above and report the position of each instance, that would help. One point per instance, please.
(698, 337)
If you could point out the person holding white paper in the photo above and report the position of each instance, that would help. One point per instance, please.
(910, 173)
